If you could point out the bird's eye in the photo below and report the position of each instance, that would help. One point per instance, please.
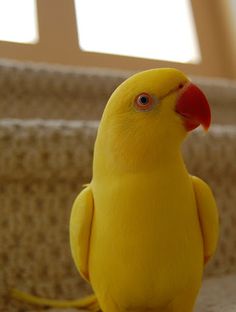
(144, 102)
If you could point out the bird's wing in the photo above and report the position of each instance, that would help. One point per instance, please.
(208, 216)
(80, 230)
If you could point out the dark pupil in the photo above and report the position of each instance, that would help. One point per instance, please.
(143, 99)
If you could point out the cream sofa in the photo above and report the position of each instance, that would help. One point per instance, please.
(49, 117)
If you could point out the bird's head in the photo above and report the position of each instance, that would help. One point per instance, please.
(148, 115)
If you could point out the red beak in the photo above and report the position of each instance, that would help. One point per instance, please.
(193, 106)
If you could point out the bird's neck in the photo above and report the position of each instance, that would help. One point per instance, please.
(163, 160)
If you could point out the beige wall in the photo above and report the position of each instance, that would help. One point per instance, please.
(58, 41)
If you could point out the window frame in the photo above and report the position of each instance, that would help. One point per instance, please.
(212, 26)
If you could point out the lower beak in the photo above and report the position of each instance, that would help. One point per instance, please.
(193, 106)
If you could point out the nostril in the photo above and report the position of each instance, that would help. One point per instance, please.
(181, 86)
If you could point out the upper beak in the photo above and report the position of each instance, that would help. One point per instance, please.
(193, 106)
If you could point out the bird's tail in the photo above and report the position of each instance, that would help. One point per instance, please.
(89, 303)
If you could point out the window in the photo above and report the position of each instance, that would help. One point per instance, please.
(18, 21)
(150, 29)
(192, 35)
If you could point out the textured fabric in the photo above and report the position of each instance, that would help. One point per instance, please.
(218, 294)
(43, 165)
(54, 92)
(38, 91)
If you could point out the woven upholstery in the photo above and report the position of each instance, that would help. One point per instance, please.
(218, 294)
(52, 92)
(44, 163)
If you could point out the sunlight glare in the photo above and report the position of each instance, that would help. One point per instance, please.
(18, 21)
(154, 29)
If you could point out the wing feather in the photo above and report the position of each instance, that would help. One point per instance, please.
(208, 216)
(80, 230)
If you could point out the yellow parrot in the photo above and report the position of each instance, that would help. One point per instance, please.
(143, 228)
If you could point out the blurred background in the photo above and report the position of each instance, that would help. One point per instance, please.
(60, 60)
(197, 36)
